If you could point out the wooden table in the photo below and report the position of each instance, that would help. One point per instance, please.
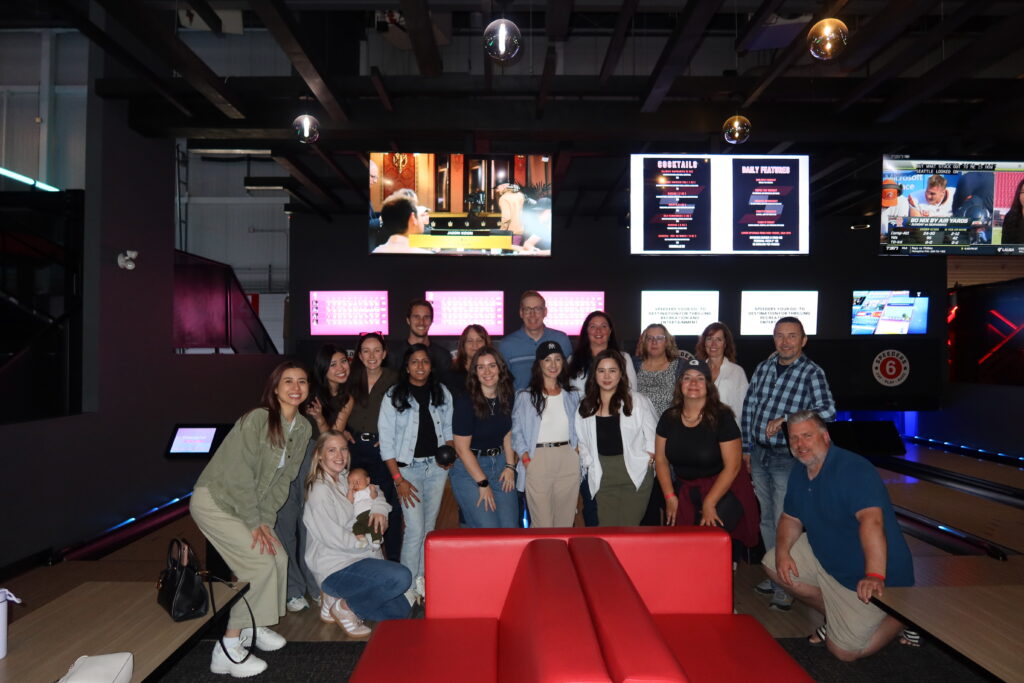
(96, 618)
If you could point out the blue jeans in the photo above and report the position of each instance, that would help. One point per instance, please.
(374, 589)
(770, 472)
(428, 477)
(467, 493)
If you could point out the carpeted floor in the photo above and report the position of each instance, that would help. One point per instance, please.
(295, 662)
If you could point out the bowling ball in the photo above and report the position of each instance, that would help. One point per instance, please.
(445, 456)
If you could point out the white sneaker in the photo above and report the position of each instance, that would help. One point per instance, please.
(347, 620)
(297, 604)
(220, 664)
(421, 587)
(266, 640)
(326, 603)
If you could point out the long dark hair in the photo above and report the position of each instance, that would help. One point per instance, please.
(536, 386)
(460, 359)
(403, 387)
(728, 348)
(506, 390)
(1013, 221)
(360, 390)
(591, 402)
(713, 410)
(582, 356)
(321, 389)
(269, 402)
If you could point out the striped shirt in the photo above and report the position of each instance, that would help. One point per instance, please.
(771, 394)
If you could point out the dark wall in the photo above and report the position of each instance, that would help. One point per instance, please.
(594, 255)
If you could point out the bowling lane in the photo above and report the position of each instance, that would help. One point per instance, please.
(962, 464)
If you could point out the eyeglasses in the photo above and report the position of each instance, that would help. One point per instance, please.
(532, 309)
(656, 337)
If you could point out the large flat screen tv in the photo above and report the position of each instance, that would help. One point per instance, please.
(889, 311)
(466, 204)
(454, 310)
(760, 310)
(681, 312)
(932, 206)
(718, 204)
(344, 313)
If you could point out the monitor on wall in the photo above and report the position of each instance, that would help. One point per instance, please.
(347, 313)
(932, 206)
(465, 204)
(760, 310)
(568, 309)
(889, 311)
(680, 312)
(719, 204)
(454, 310)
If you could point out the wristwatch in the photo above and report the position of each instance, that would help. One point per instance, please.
(483, 483)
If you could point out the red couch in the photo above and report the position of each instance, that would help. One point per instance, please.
(599, 604)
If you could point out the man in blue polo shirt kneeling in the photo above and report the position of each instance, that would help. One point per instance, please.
(853, 547)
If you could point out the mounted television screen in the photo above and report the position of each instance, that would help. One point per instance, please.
(568, 310)
(718, 204)
(681, 312)
(759, 311)
(951, 207)
(454, 310)
(348, 313)
(889, 312)
(466, 204)
(191, 440)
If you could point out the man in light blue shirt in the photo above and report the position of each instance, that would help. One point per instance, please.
(520, 347)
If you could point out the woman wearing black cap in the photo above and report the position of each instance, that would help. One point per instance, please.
(544, 436)
(699, 437)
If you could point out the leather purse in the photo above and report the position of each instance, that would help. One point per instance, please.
(180, 589)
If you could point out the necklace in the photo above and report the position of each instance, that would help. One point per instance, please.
(695, 419)
(492, 403)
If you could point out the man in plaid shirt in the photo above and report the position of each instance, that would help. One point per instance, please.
(787, 381)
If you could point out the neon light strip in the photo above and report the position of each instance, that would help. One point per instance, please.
(147, 513)
(1014, 330)
(28, 181)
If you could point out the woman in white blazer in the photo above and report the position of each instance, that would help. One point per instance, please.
(616, 429)
(716, 347)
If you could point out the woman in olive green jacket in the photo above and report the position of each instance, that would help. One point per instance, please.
(235, 504)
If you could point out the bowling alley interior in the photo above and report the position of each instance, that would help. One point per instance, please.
(288, 287)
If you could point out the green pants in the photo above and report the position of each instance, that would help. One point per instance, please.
(619, 502)
(363, 527)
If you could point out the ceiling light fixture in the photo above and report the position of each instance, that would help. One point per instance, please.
(827, 39)
(502, 40)
(307, 128)
(736, 130)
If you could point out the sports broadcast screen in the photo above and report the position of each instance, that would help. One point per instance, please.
(951, 207)
(889, 312)
(760, 310)
(568, 310)
(344, 313)
(718, 204)
(681, 312)
(454, 310)
(466, 204)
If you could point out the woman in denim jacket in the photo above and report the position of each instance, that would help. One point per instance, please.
(544, 436)
(415, 419)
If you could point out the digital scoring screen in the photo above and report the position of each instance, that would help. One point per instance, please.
(964, 207)
(719, 204)
(681, 312)
(889, 312)
(760, 310)
(454, 310)
(193, 440)
(567, 310)
(348, 313)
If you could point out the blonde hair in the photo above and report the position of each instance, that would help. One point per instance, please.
(316, 468)
(671, 350)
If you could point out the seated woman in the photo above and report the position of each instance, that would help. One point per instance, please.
(416, 418)
(472, 339)
(615, 428)
(235, 504)
(699, 437)
(484, 476)
(356, 581)
(544, 436)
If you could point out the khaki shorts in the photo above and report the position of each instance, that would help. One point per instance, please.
(851, 623)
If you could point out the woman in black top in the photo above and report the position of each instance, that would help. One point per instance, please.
(1013, 222)
(329, 407)
(699, 437)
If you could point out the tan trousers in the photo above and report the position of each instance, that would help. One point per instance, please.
(553, 486)
(267, 574)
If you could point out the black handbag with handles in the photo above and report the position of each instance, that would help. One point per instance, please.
(180, 589)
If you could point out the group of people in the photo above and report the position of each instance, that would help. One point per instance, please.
(536, 425)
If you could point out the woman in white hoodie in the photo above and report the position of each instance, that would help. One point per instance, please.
(616, 429)
(356, 581)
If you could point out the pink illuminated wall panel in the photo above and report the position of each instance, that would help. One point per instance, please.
(348, 313)
(453, 310)
(566, 310)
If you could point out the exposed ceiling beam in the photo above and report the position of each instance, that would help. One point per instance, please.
(378, 85)
(792, 52)
(421, 35)
(308, 180)
(113, 48)
(682, 44)
(208, 15)
(914, 49)
(987, 48)
(753, 25)
(340, 172)
(618, 41)
(557, 16)
(882, 30)
(166, 45)
(279, 21)
(550, 64)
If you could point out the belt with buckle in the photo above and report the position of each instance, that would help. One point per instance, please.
(367, 436)
(490, 452)
(553, 444)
